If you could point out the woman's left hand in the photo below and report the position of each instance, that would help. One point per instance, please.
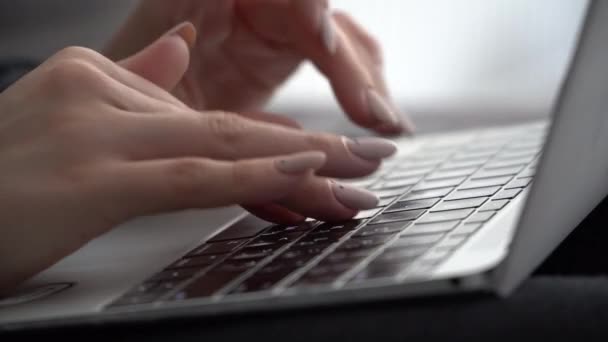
(248, 48)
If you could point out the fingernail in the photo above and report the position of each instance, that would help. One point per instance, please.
(381, 110)
(301, 162)
(371, 148)
(186, 31)
(354, 198)
(328, 31)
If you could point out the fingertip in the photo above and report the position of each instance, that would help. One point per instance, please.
(186, 31)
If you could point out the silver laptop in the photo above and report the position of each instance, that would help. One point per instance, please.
(472, 211)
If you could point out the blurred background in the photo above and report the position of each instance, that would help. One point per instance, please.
(450, 64)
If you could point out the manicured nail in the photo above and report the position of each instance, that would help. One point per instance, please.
(354, 198)
(301, 162)
(186, 31)
(328, 31)
(380, 109)
(371, 148)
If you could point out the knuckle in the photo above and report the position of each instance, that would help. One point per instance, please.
(75, 52)
(73, 73)
(321, 142)
(227, 127)
(185, 178)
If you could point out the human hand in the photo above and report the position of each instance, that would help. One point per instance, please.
(250, 47)
(86, 145)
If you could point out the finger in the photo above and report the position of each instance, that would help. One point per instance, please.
(151, 187)
(272, 119)
(165, 61)
(369, 52)
(276, 213)
(308, 27)
(327, 200)
(227, 136)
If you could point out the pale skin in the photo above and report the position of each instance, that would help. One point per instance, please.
(91, 140)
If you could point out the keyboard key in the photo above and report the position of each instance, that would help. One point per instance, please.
(401, 255)
(446, 174)
(430, 228)
(365, 214)
(397, 216)
(530, 172)
(465, 164)
(323, 274)
(461, 156)
(341, 257)
(466, 229)
(438, 184)
(379, 270)
(382, 229)
(389, 193)
(519, 183)
(508, 194)
(473, 193)
(451, 243)
(412, 205)
(201, 261)
(509, 155)
(364, 243)
(397, 183)
(486, 182)
(341, 227)
(247, 227)
(207, 285)
(280, 229)
(441, 216)
(508, 163)
(435, 256)
(494, 205)
(386, 201)
(460, 204)
(237, 265)
(417, 240)
(274, 240)
(506, 171)
(257, 283)
(426, 194)
(481, 217)
(420, 164)
(398, 174)
(255, 253)
(217, 248)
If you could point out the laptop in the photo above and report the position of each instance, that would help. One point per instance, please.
(460, 212)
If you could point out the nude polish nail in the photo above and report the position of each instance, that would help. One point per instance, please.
(373, 149)
(186, 31)
(354, 198)
(380, 109)
(301, 163)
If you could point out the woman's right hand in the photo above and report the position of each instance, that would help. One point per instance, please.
(87, 144)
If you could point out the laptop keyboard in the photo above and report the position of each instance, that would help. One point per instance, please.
(431, 202)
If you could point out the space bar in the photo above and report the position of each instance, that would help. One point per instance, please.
(247, 227)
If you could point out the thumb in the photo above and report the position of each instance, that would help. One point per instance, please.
(165, 61)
